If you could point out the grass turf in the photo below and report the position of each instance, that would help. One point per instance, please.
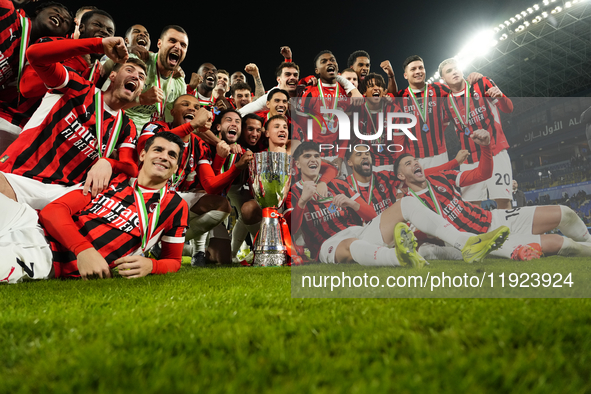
(238, 329)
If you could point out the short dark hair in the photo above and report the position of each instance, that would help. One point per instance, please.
(276, 117)
(398, 160)
(283, 65)
(89, 15)
(174, 27)
(324, 52)
(253, 117)
(224, 72)
(274, 91)
(132, 60)
(410, 59)
(377, 79)
(353, 57)
(348, 155)
(239, 86)
(128, 31)
(305, 146)
(348, 70)
(167, 135)
(218, 117)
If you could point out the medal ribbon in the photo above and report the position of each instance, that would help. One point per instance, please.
(92, 72)
(115, 130)
(178, 178)
(148, 222)
(336, 99)
(452, 102)
(372, 122)
(437, 205)
(422, 111)
(355, 187)
(25, 36)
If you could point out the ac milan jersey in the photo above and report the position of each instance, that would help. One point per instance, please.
(324, 127)
(462, 214)
(10, 40)
(110, 223)
(196, 152)
(380, 193)
(322, 219)
(369, 122)
(59, 144)
(484, 114)
(430, 134)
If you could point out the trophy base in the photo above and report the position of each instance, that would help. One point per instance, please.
(269, 259)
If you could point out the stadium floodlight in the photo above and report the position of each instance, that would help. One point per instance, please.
(519, 28)
(523, 13)
(546, 2)
(518, 17)
(530, 10)
(568, 4)
(545, 14)
(536, 7)
(503, 37)
(496, 29)
(526, 23)
(507, 23)
(512, 20)
(557, 10)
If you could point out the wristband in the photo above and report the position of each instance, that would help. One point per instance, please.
(348, 85)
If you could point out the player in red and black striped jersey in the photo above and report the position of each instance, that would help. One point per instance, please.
(332, 92)
(91, 235)
(472, 107)
(438, 192)
(17, 32)
(204, 90)
(59, 146)
(429, 146)
(374, 110)
(332, 230)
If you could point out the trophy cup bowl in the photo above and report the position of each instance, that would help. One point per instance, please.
(270, 180)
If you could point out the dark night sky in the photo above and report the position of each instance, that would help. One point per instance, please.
(231, 36)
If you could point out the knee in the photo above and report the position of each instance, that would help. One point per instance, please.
(251, 212)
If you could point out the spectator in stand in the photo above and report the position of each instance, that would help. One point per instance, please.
(518, 196)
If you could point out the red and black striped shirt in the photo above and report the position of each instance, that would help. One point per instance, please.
(110, 224)
(484, 114)
(10, 40)
(321, 219)
(432, 142)
(383, 193)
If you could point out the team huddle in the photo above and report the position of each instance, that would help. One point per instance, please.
(111, 161)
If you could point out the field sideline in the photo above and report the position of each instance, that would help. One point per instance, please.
(239, 329)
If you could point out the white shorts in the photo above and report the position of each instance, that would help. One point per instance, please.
(499, 186)
(37, 194)
(191, 198)
(24, 250)
(519, 220)
(370, 233)
(433, 161)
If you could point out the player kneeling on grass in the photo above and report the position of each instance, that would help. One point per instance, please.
(89, 236)
(528, 225)
(333, 228)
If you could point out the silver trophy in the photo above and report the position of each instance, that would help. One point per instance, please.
(270, 179)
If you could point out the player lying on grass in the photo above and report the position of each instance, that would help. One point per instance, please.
(89, 236)
(438, 192)
(333, 228)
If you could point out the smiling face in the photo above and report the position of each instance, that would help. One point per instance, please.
(415, 74)
(242, 97)
(277, 132)
(309, 164)
(184, 110)
(327, 67)
(97, 25)
(224, 79)
(229, 127)
(288, 80)
(138, 36)
(361, 162)
(277, 104)
(361, 67)
(127, 82)
(252, 131)
(53, 21)
(160, 161)
(374, 91)
(209, 74)
(172, 49)
(410, 171)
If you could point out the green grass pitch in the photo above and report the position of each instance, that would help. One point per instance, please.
(239, 330)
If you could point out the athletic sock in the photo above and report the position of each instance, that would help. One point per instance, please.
(365, 253)
(198, 243)
(238, 235)
(431, 223)
(572, 248)
(572, 226)
(203, 223)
